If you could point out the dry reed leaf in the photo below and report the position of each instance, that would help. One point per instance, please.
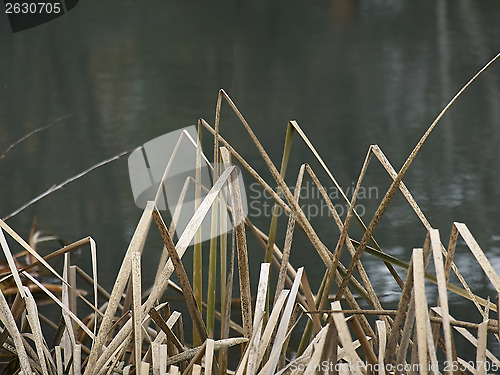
(93, 253)
(303, 359)
(196, 370)
(71, 278)
(345, 227)
(216, 126)
(24, 137)
(431, 348)
(355, 306)
(191, 229)
(241, 247)
(466, 293)
(345, 338)
(198, 247)
(111, 361)
(479, 255)
(137, 242)
(344, 238)
(225, 318)
(163, 359)
(90, 281)
(11, 263)
(263, 239)
(36, 329)
(70, 328)
(59, 364)
(449, 264)
(209, 357)
(431, 345)
(218, 344)
(10, 324)
(465, 333)
(271, 325)
(223, 208)
(158, 288)
(161, 183)
(187, 291)
(115, 364)
(387, 165)
(63, 307)
(77, 359)
(59, 186)
(283, 326)
(260, 307)
(143, 368)
(248, 168)
(382, 336)
(179, 205)
(442, 290)
(196, 358)
(212, 268)
(310, 303)
(420, 308)
(481, 348)
(71, 247)
(315, 361)
(404, 300)
(344, 197)
(330, 349)
(305, 224)
(136, 309)
(251, 349)
(406, 193)
(322, 297)
(328, 172)
(285, 256)
(452, 245)
(166, 327)
(363, 341)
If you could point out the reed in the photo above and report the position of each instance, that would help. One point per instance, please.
(130, 331)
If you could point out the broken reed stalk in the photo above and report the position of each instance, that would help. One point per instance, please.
(155, 337)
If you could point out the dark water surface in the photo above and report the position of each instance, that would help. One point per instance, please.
(351, 73)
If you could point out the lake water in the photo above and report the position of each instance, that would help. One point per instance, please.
(351, 73)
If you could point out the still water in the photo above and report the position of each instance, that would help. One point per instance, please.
(351, 73)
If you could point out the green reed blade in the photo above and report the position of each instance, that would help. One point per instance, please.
(197, 254)
(284, 163)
